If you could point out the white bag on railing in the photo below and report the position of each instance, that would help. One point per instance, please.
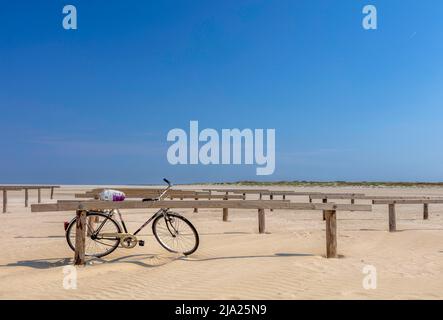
(112, 195)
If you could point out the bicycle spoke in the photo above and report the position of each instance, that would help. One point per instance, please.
(176, 234)
(99, 246)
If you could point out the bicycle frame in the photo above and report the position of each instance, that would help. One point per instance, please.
(162, 211)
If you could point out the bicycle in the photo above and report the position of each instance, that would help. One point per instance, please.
(104, 233)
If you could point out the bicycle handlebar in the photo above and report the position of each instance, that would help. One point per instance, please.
(164, 192)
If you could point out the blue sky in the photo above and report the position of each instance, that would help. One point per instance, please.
(94, 105)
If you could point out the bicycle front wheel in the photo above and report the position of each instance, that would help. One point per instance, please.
(175, 233)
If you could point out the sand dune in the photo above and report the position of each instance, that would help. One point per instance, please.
(234, 261)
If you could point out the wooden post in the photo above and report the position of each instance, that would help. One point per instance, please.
(331, 233)
(352, 201)
(210, 192)
(261, 196)
(284, 197)
(261, 220)
(325, 200)
(225, 210)
(310, 199)
(225, 214)
(26, 197)
(39, 196)
(392, 222)
(195, 209)
(244, 196)
(271, 197)
(52, 192)
(80, 238)
(5, 200)
(425, 211)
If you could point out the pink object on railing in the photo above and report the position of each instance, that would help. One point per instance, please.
(112, 195)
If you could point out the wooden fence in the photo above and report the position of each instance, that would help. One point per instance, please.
(5, 190)
(392, 212)
(81, 207)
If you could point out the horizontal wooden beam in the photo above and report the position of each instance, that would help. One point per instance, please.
(368, 197)
(237, 190)
(186, 196)
(234, 204)
(12, 188)
(146, 194)
(403, 197)
(338, 196)
(290, 193)
(150, 192)
(407, 201)
(214, 196)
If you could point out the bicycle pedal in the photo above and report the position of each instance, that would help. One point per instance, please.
(141, 243)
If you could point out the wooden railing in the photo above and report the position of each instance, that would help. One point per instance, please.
(5, 190)
(81, 207)
(393, 201)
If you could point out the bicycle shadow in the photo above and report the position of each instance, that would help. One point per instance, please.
(142, 260)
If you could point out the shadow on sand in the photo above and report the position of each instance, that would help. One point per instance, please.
(42, 237)
(142, 260)
(275, 255)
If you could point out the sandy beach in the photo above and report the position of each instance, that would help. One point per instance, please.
(233, 260)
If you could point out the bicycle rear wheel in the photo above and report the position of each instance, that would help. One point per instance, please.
(100, 246)
(175, 233)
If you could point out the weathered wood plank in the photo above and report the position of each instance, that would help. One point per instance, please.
(331, 233)
(425, 211)
(403, 197)
(10, 188)
(392, 218)
(21, 187)
(324, 200)
(26, 198)
(338, 196)
(80, 238)
(271, 197)
(225, 214)
(209, 204)
(195, 209)
(5, 200)
(329, 206)
(254, 191)
(261, 220)
(225, 209)
(171, 196)
(292, 193)
(408, 201)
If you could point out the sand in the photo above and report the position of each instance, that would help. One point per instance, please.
(233, 260)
